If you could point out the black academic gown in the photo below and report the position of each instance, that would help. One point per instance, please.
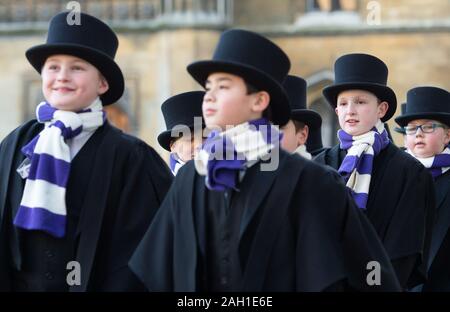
(116, 184)
(439, 271)
(291, 236)
(400, 207)
(318, 151)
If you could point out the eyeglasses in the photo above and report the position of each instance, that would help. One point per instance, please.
(426, 128)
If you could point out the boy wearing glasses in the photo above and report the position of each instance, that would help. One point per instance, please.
(393, 189)
(426, 122)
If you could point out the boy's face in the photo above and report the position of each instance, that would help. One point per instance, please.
(226, 102)
(292, 138)
(425, 145)
(70, 83)
(186, 146)
(358, 111)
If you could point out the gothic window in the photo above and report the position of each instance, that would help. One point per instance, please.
(316, 82)
(331, 5)
(329, 12)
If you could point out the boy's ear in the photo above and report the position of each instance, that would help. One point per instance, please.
(447, 137)
(302, 135)
(382, 109)
(262, 101)
(103, 85)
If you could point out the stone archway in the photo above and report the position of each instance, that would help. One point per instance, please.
(330, 123)
(316, 82)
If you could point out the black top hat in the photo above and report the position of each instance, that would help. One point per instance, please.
(296, 90)
(364, 72)
(426, 103)
(403, 110)
(257, 60)
(314, 142)
(92, 41)
(179, 112)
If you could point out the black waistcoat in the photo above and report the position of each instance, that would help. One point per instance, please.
(44, 257)
(225, 263)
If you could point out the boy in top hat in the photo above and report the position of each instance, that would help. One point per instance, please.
(302, 121)
(314, 143)
(76, 194)
(426, 122)
(182, 137)
(241, 223)
(400, 129)
(393, 189)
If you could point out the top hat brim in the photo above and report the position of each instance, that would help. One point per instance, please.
(403, 120)
(108, 68)
(399, 130)
(383, 92)
(165, 137)
(307, 116)
(279, 102)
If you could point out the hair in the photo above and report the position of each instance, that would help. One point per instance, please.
(180, 135)
(446, 126)
(379, 101)
(173, 140)
(251, 89)
(102, 77)
(442, 122)
(299, 125)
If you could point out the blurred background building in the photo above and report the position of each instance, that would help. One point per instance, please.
(158, 38)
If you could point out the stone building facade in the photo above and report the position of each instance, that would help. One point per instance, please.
(158, 38)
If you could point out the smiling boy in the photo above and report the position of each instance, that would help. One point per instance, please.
(72, 187)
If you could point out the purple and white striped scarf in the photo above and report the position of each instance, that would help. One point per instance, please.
(436, 165)
(226, 154)
(43, 205)
(356, 168)
(175, 163)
